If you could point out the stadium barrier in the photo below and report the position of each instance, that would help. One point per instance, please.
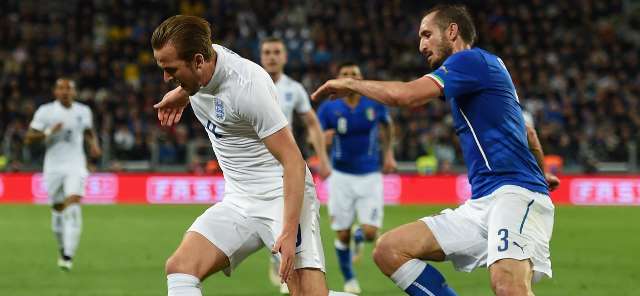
(106, 188)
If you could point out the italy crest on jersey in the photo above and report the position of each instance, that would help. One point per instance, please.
(371, 114)
(219, 109)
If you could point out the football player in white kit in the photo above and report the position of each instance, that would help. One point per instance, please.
(65, 125)
(269, 197)
(292, 96)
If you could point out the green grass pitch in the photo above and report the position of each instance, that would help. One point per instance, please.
(123, 249)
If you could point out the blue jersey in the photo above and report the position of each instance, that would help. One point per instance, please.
(488, 120)
(355, 148)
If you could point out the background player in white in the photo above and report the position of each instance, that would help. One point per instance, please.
(536, 149)
(353, 125)
(269, 197)
(292, 96)
(65, 125)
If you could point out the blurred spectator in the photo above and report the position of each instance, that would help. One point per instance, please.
(575, 67)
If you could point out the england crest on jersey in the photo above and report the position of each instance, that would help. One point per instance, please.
(219, 109)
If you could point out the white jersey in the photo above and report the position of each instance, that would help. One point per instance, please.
(292, 95)
(65, 148)
(239, 108)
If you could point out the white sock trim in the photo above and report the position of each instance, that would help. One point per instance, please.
(72, 228)
(182, 284)
(340, 245)
(334, 293)
(408, 273)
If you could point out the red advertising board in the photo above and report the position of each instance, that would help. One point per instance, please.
(105, 188)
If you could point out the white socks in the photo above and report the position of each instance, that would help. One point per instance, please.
(408, 273)
(56, 227)
(182, 284)
(333, 293)
(71, 228)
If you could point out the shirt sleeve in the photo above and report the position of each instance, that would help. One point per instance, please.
(88, 124)
(39, 121)
(460, 74)
(259, 105)
(323, 116)
(303, 104)
(528, 119)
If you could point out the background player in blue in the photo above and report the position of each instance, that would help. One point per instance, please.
(352, 125)
(508, 221)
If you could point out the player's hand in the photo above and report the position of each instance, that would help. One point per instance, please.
(324, 169)
(390, 165)
(171, 106)
(56, 128)
(286, 246)
(335, 88)
(552, 180)
(328, 136)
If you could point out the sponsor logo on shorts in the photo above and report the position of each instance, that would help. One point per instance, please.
(519, 246)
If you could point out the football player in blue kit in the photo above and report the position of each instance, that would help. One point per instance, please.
(507, 223)
(353, 125)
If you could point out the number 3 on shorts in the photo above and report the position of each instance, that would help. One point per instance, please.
(504, 235)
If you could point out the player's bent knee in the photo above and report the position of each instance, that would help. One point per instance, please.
(344, 236)
(385, 255)
(179, 264)
(509, 279)
(58, 207)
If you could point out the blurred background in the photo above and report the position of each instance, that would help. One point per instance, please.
(574, 63)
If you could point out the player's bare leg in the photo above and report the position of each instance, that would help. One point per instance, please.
(364, 233)
(511, 277)
(310, 282)
(399, 254)
(194, 260)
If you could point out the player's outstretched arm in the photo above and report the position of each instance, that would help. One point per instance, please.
(392, 93)
(171, 106)
(318, 141)
(283, 147)
(536, 149)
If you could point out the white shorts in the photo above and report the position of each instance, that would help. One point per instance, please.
(61, 185)
(355, 194)
(239, 235)
(512, 222)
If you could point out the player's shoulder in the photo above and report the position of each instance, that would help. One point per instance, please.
(46, 107)
(370, 102)
(329, 104)
(470, 57)
(82, 107)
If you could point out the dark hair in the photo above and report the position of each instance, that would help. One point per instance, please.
(447, 14)
(272, 39)
(344, 64)
(189, 34)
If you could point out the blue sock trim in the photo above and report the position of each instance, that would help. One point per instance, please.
(358, 236)
(430, 283)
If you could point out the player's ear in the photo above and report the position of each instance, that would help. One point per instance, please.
(453, 31)
(198, 60)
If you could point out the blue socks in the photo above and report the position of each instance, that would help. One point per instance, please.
(417, 278)
(344, 259)
(358, 236)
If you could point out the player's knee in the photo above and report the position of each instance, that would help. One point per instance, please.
(344, 236)
(505, 282)
(370, 233)
(72, 199)
(179, 264)
(385, 254)
(58, 207)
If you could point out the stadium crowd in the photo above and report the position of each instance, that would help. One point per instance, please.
(574, 63)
